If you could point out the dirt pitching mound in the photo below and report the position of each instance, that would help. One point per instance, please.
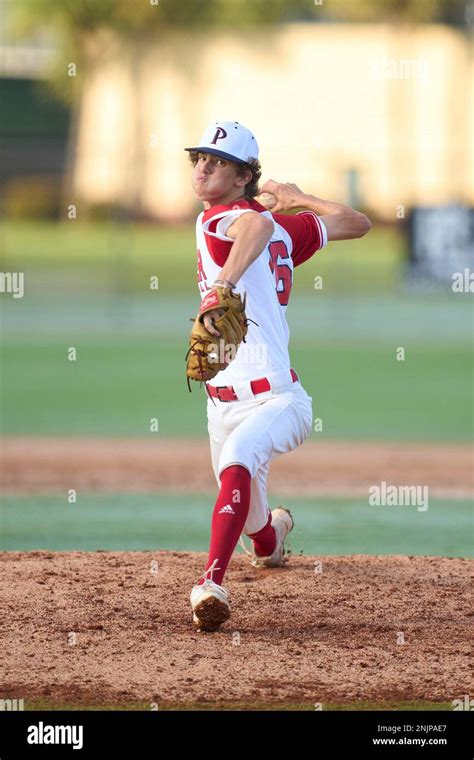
(114, 628)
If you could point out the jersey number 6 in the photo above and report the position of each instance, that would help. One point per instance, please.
(282, 271)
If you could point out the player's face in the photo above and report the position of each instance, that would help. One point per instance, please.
(215, 180)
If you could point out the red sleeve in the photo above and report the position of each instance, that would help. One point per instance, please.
(306, 233)
(220, 249)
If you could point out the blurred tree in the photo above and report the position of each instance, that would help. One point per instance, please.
(88, 30)
(411, 11)
(149, 17)
(80, 22)
(79, 19)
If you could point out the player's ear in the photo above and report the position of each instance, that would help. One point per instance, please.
(243, 178)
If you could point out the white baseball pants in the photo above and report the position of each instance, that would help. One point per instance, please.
(255, 431)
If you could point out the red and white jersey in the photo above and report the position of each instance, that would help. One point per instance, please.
(267, 282)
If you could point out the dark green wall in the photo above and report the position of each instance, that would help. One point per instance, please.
(28, 110)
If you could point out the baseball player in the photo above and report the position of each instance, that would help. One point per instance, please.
(257, 408)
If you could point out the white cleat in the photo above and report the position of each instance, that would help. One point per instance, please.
(210, 606)
(283, 523)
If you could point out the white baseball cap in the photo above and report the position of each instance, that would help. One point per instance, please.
(228, 139)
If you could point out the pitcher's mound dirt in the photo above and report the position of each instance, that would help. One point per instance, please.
(115, 628)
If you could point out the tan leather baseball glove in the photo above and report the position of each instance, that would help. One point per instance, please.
(209, 354)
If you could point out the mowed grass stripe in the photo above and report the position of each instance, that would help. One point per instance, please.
(118, 384)
(181, 522)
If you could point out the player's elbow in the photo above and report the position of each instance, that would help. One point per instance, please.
(268, 230)
(362, 224)
(264, 226)
(346, 224)
(258, 226)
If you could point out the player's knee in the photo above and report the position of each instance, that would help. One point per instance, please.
(231, 455)
(224, 465)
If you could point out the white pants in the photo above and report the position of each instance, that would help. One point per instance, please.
(254, 432)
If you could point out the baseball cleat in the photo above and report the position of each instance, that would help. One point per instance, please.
(210, 606)
(283, 523)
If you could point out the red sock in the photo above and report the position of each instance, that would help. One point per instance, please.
(228, 519)
(264, 540)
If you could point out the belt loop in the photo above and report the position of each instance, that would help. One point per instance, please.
(226, 393)
(260, 386)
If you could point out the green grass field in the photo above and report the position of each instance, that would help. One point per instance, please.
(87, 286)
(174, 521)
(121, 258)
(119, 382)
(38, 705)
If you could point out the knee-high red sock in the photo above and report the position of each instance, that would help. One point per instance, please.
(228, 519)
(264, 540)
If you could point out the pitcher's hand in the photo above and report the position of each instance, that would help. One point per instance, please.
(288, 195)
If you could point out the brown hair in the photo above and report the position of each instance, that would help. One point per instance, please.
(251, 188)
